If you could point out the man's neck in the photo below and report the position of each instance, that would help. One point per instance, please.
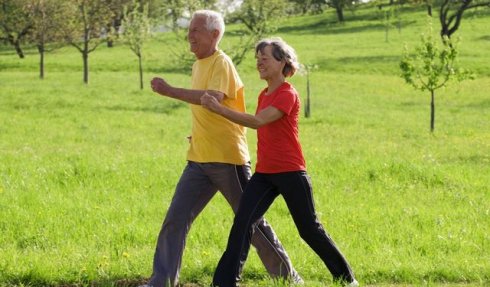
(207, 54)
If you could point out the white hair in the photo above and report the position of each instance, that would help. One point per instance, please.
(214, 21)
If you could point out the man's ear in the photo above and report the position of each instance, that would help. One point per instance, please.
(215, 33)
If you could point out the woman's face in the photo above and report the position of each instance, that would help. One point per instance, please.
(267, 65)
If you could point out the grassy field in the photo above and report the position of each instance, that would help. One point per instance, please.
(87, 171)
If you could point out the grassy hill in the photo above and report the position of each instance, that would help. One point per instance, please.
(88, 171)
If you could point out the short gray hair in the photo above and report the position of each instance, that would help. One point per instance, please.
(214, 20)
(280, 51)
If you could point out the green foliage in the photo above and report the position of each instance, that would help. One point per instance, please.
(309, 6)
(390, 18)
(13, 16)
(260, 19)
(87, 27)
(47, 18)
(431, 67)
(87, 24)
(259, 16)
(175, 10)
(15, 23)
(136, 27)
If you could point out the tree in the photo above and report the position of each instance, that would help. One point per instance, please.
(312, 6)
(47, 18)
(87, 28)
(260, 19)
(431, 68)
(306, 69)
(175, 14)
(176, 10)
(136, 29)
(451, 14)
(339, 6)
(155, 8)
(15, 23)
(390, 19)
(117, 8)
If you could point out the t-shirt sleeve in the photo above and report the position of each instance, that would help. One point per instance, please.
(225, 79)
(285, 101)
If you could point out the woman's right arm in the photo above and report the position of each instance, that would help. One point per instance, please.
(264, 117)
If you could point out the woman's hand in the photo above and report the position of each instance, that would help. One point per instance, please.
(210, 102)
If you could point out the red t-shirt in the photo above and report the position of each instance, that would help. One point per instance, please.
(278, 147)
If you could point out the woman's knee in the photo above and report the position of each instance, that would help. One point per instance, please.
(311, 231)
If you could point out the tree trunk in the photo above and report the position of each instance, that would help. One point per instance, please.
(40, 48)
(16, 44)
(307, 106)
(141, 71)
(340, 13)
(85, 66)
(432, 111)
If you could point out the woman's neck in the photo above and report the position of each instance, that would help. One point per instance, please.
(273, 84)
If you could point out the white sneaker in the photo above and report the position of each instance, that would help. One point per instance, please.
(297, 280)
(145, 285)
(353, 284)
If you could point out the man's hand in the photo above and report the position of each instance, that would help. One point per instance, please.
(210, 102)
(160, 86)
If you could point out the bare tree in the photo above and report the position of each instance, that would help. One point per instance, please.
(47, 18)
(87, 28)
(135, 31)
(260, 18)
(451, 14)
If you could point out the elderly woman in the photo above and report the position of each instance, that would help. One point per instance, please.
(280, 168)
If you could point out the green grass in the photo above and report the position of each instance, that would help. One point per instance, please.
(87, 171)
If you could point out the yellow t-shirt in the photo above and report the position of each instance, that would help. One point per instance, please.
(214, 138)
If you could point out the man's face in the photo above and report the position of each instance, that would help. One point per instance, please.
(202, 42)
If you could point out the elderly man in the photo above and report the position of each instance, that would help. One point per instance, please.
(218, 157)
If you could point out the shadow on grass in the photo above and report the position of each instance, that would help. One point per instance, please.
(364, 63)
(109, 282)
(484, 38)
(482, 105)
(30, 280)
(327, 26)
(172, 69)
(160, 109)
